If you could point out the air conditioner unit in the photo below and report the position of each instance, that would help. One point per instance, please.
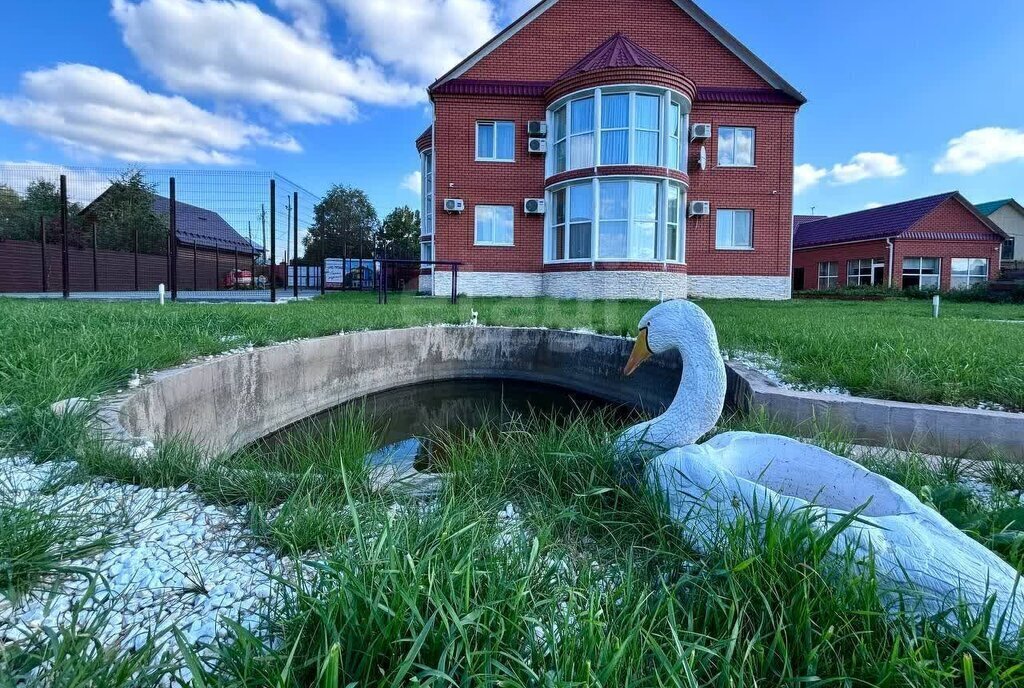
(454, 205)
(534, 206)
(538, 145)
(537, 127)
(700, 131)
(698, 208)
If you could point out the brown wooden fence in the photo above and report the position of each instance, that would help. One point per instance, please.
(21, 268)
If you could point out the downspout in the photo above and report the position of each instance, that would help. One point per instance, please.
(892, 249)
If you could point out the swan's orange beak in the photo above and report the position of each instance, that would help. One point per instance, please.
(641, 352)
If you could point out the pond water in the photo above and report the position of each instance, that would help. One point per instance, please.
(410, 419)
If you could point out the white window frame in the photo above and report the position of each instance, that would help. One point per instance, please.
(828, 274)
(661, 221)
(919, 273)
(965, 280)
(476, 224)
(494, 144)
(430, 257)
(872, 264)
(1008, 247)
(733, 246)
(753, 146)
(667, 96)
(427, 192)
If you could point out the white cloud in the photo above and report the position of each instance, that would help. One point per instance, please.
(805, 176)
(308, 17)
(104, 114)
(421, 38)
(867, 166)
(980, 148)
(235, 51)
(84, 184)
(413, 182)
(871, 205)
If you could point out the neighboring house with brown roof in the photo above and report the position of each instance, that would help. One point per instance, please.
(937, 242)
(1008, 214)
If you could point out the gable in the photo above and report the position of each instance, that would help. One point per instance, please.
(555, 34)
(955, 215)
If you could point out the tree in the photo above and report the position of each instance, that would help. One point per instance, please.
(399, 235)
(11, 212)
(343, 219)
(126, 207)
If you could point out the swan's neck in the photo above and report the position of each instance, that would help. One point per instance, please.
(697, 404)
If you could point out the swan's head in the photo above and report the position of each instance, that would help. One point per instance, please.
(679, 325)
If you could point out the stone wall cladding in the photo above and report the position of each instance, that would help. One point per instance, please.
(615, 285)
(739, 287)
(489, 283)
(545, 49)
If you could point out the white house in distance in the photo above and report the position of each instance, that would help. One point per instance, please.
(1008, 215)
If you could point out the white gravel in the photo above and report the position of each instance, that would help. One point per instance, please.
(176, 562)
(771, 368)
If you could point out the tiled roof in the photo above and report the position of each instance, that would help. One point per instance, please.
(615, 53)
(492, 87)
(801, 219)
(876, 223)
(746, 96)
(991, 206)
(950, 236)
(204, 227)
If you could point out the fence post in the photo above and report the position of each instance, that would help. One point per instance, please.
(295, 250)
(135, 240)
(95, 262)
(216, 267)
(65, 261)
(455, 283)
(172, 240)
(195, 265)
(42, 240)
(273, 240)
(323, 270)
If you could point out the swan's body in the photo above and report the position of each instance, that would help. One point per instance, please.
(924, 562)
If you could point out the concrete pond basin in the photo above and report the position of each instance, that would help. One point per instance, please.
(227, 402)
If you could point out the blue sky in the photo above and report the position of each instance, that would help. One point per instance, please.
(905, 98)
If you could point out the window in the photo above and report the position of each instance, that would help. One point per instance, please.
(967, 272)
(628, 225)
(494, 225)
(1008, 249)
(581, 133)
(675, 207)
(734, 229)
(496, 141)
(675, 127)
(735, 146)
(615, 129)
(865, 272)
(630, 129)
(427, 252)
(646, 140)
(427, 192)
(921, 273)
(828, 275)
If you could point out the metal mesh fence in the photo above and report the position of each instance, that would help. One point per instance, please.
(122, 233)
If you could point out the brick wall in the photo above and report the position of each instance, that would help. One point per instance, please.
(946, 250)
(546, 48)
(808, 259)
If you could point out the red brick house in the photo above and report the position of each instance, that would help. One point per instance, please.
(938, 242)
(611, 149)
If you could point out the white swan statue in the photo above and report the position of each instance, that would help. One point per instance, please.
(923, 562)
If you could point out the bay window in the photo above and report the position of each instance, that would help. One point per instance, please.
(617, 126)
(921, 273)
(967, 272)
(616, 219)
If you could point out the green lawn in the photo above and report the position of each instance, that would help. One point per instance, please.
(891, 349)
